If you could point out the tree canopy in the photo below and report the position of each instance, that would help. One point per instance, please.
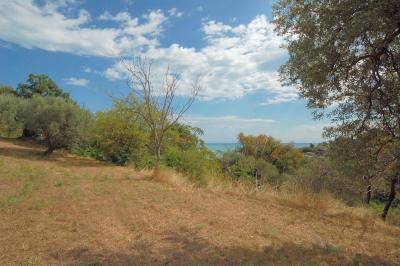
(344, 56)
(57, 122)
(40, 85)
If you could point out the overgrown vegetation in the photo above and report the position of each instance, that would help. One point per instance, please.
(346, 66)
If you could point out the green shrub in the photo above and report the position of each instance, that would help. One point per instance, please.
(197, 163)
(249, 169)
(119, 137)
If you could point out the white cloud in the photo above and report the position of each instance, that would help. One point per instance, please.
(235, 62)
(174, 12)
(200, 8)
(88, 70)
(31, 25)
(76, 81)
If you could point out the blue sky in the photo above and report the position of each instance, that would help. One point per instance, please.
(231, 45)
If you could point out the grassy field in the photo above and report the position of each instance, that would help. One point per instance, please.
(66, 210)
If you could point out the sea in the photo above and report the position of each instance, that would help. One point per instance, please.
(223, 147)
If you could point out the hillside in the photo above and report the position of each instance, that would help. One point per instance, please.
(66, 210)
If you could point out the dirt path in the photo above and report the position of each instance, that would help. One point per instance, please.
(72, 211)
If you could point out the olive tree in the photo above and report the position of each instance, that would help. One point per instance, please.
(10, 123)
(57, 122)
(344, 57)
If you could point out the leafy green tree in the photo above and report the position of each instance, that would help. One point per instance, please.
(10, 123)
(121, 136)
(40, 85)
(58, 123)
(344, 56)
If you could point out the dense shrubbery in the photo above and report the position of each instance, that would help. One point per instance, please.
(261, 160)
(121, 137)
(198, 163)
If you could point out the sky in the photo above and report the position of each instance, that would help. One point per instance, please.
(228, 45)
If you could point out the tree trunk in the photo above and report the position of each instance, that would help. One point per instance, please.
(368, 194)
(392, 196)
(26, 133)
(158, 152)
(49, 150)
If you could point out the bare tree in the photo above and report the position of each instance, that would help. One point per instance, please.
(158, 108)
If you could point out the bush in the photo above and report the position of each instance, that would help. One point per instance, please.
(285, 157)
(249, 169)
(121, 138)
(197, 163)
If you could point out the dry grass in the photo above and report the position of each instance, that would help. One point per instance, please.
(66, 210)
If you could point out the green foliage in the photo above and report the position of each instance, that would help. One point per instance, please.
(197, 163)
(247, 169)
(10, 106)
(40, 85)
(347, 67)
(261, 160)
(58, 123)
(285, 157)
(121, 136)
(238, 166)
(183, 137)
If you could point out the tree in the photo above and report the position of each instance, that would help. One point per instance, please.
(40, 85)
(158, 107)
(58, 123)
(344, 56)
(360, 159)
(10, 122)
(283, 156)
(121, 135)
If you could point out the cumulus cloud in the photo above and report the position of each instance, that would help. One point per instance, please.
(30, 25)
(174, 12)
(233, 63)
(76, 81)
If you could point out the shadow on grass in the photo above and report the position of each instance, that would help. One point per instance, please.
(28, 150)
(185, 248)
